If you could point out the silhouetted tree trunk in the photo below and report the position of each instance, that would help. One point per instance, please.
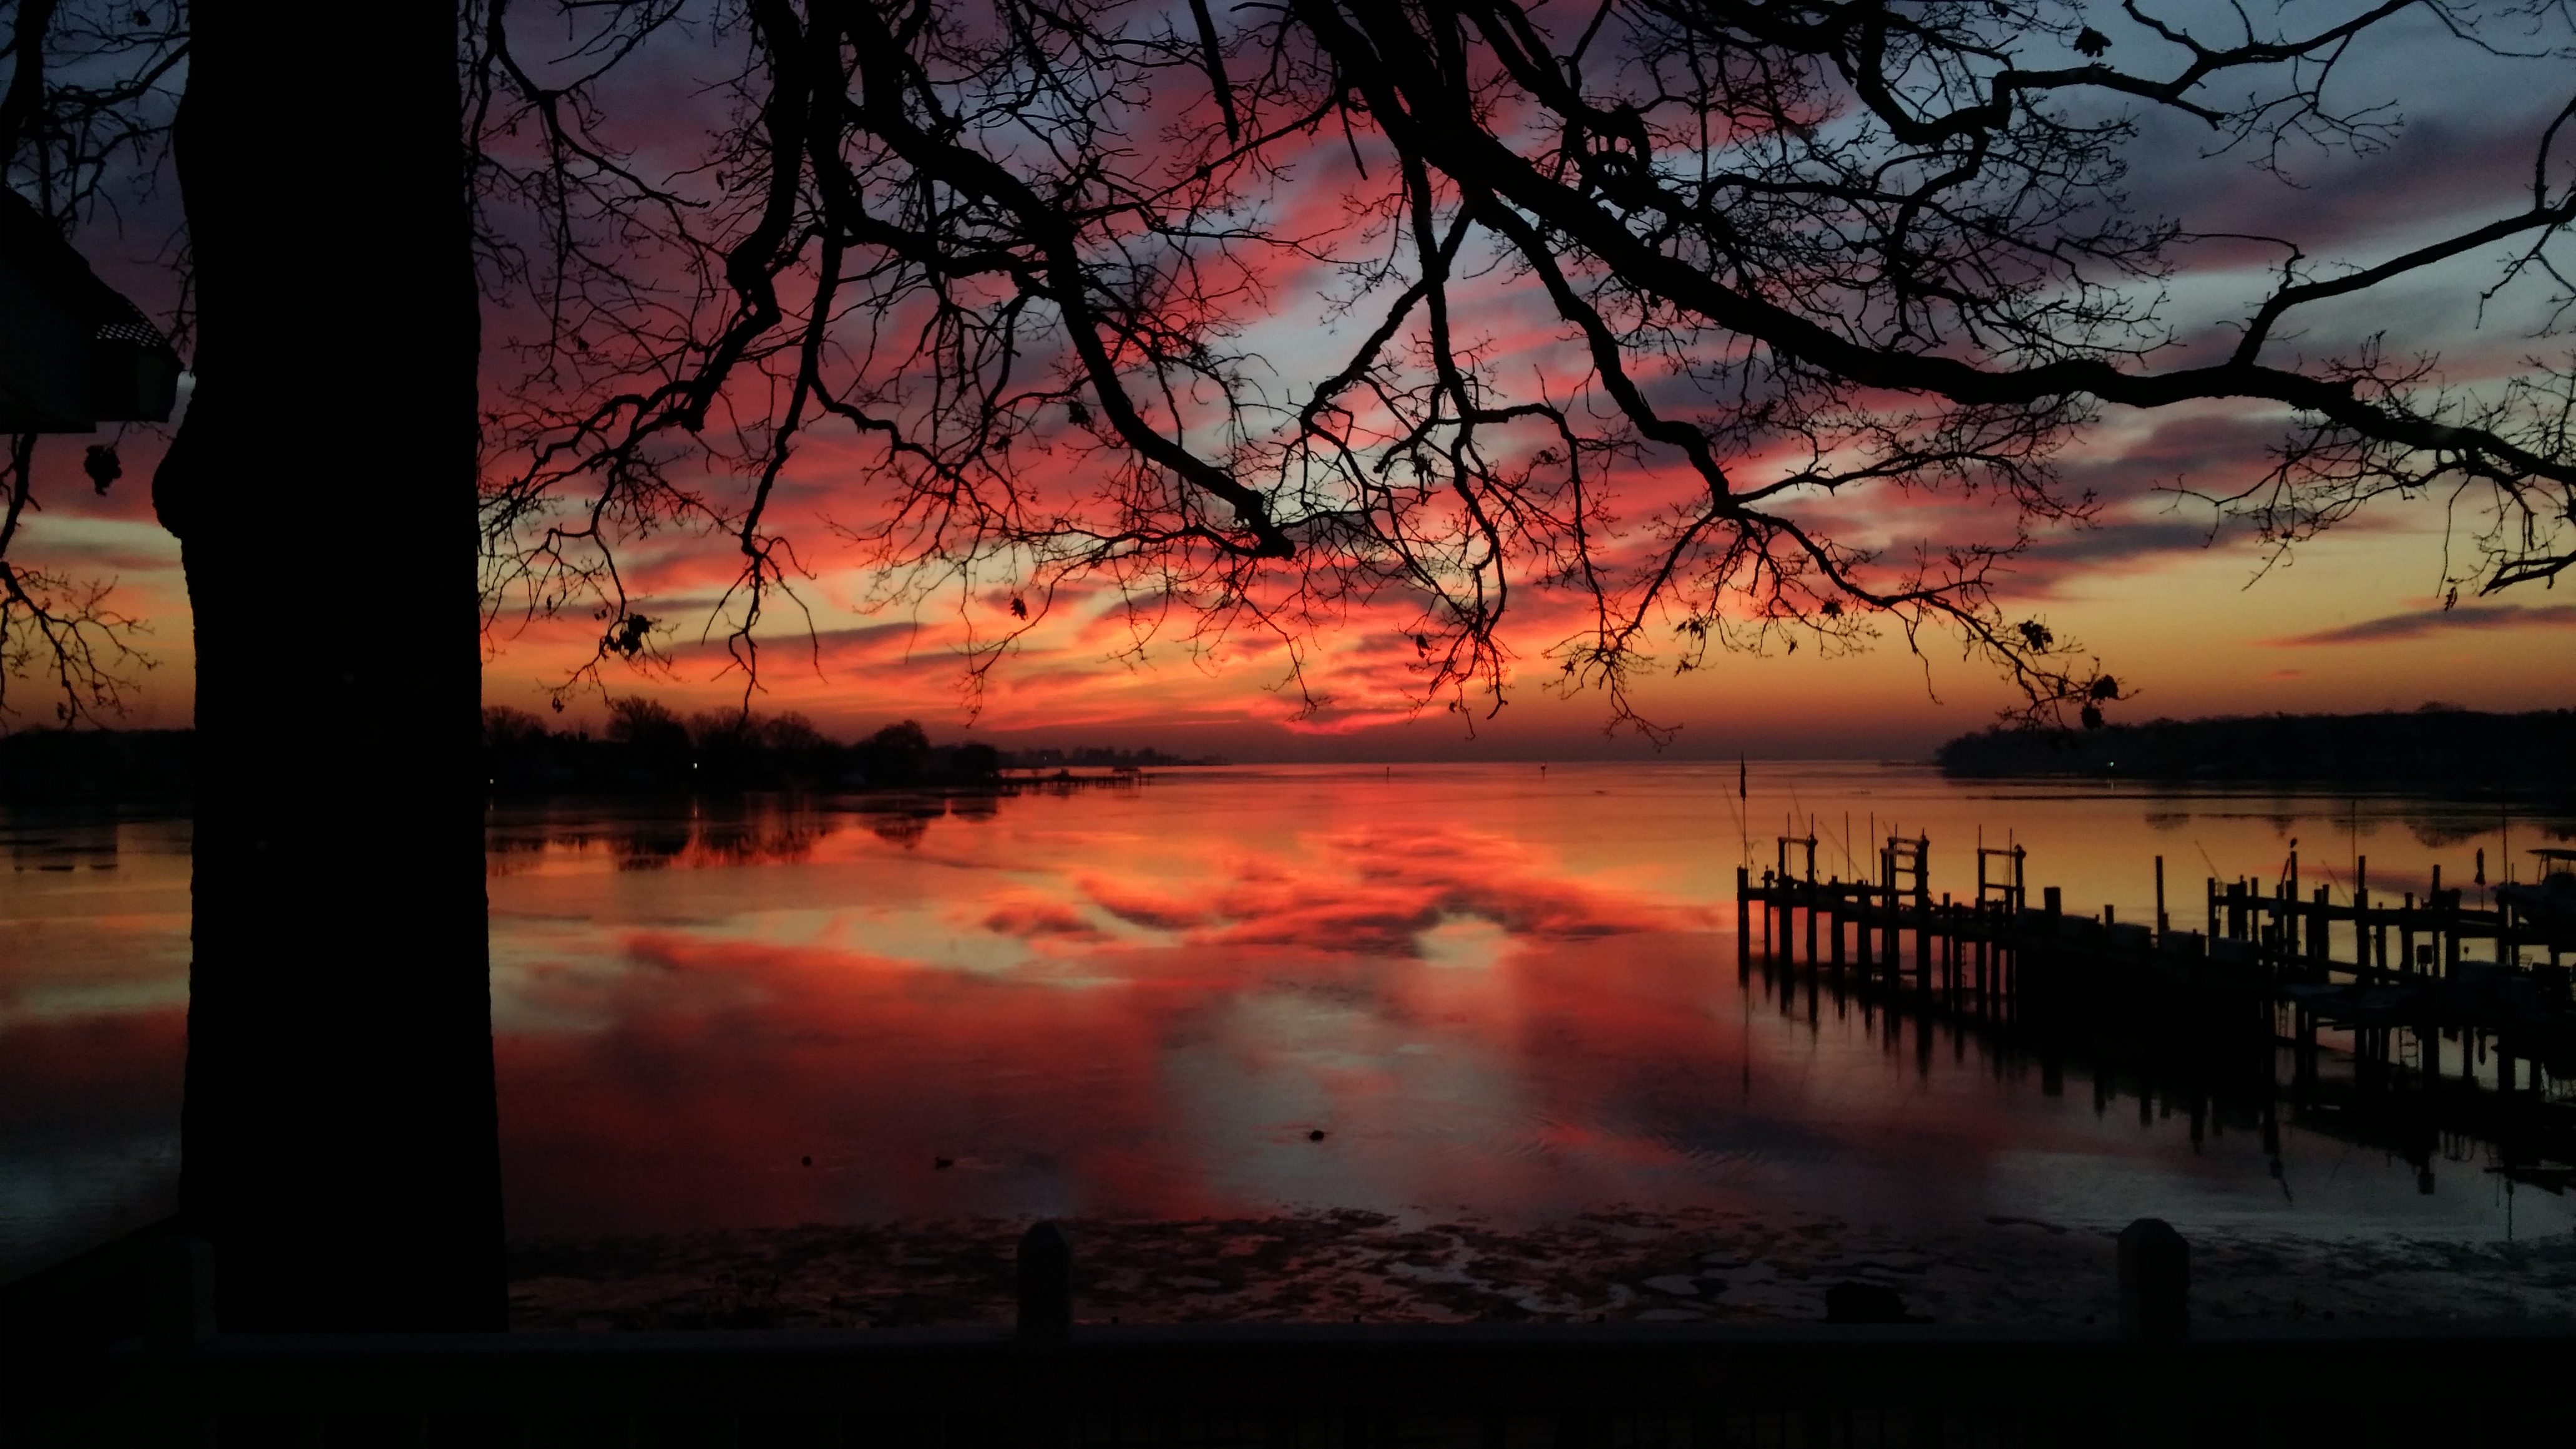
(339, 1141)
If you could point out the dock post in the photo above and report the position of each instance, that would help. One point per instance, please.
(1046, 1284)
(1770, 903)
(1975, 983)
(1896, 943)
(2368, 952)
(1949, 949)
(2155, 1280)
(1743, 925)
(2297, 918)
(1894, 924)
(2162, 924)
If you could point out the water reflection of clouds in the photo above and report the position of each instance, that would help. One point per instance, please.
(1288, 986)
(1384, 891)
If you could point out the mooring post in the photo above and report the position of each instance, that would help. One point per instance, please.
(2298, 919)
(1046, 1284)
(2365, 958)
(2155, 1280)
(2162, 923)
(1743, 924)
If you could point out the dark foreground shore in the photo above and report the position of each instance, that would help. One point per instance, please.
(1617, 1266)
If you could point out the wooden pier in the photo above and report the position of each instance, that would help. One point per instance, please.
(2430, 991)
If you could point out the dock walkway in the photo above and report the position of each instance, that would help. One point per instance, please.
(2431, 990)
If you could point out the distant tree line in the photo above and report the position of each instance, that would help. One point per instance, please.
(645, 748)
(2436, 745)
(42, 766)
(1102, 757)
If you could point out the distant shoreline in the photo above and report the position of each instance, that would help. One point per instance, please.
(158, 767)
(2435, 749)
(2426, 748)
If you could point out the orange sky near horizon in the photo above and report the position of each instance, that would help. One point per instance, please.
(2348, 623)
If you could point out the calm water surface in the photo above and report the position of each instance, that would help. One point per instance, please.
(1492, 988)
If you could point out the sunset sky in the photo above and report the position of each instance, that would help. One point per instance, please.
(2188, 617)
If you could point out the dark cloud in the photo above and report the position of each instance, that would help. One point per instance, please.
(868, 640)
(866, 634)
(2213, 448)
(2432, 621)
(2117, 542)
(2463, 151)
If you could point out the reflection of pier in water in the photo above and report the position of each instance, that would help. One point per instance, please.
(2423, 1028)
